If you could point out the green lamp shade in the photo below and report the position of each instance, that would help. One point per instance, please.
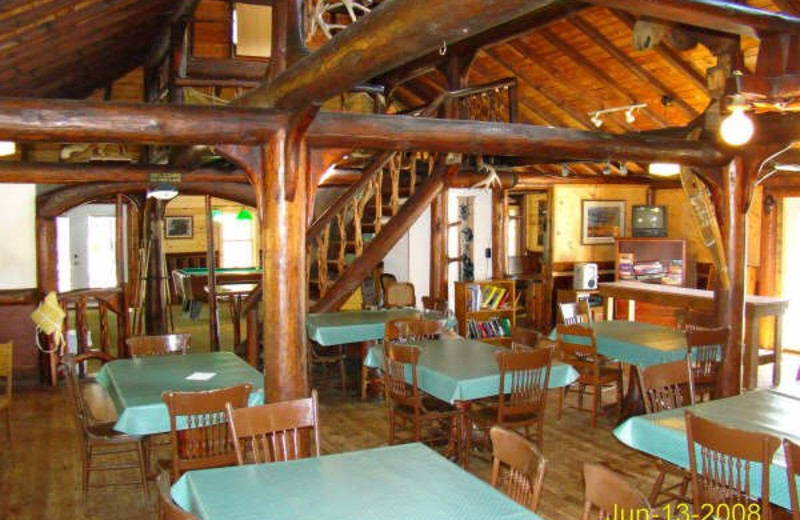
(244, 215)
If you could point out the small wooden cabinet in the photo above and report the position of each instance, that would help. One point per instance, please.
(486, 310)
(651, 260)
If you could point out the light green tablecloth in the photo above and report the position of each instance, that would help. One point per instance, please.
(404, 482)
(463, 369)
(663, 434)
(336, 328)
(136, 385)
(637, 343)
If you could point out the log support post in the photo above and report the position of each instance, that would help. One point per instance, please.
(438, 268)
(46, 274)
(499, 218)
(155, 308)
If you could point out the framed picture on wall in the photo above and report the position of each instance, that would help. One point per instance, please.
(602, 220)
(178, 227)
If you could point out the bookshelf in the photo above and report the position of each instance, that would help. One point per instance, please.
(486, 310)
(651, 260)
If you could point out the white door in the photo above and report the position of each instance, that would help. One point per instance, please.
(90, 249)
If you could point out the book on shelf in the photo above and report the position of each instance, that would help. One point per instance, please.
(499, 295)
(491, 328)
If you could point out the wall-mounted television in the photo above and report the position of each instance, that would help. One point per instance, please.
(649, 221)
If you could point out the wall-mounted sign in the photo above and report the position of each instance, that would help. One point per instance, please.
(170, 177)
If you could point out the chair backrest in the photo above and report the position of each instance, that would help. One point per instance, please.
(398, 392)
(400, 294)
(386, 279)
(666, 386)
(612, 494)
(167, 509)
(706, 348)
(7, 366)
(581, 353)
(524, 338)
(792, 453)
(575, 312)
(690, 319)
(198, 427)
(166, 344)
(276, 431)
(523, 463)
(526, 374)
(434, 303)
(408, 330)
(721, 470)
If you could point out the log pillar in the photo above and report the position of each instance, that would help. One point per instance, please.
(438, 267)
(730, 303)
(499, 216)
(155, 309)
(47, 277)
(283, 240)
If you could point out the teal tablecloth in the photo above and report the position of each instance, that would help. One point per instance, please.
(663, 434)
(463, 369)
(135, 385)
(336, 328)
(637, 343)
(404, 482)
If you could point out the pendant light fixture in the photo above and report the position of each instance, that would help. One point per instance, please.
(244, 215)
(737, 128)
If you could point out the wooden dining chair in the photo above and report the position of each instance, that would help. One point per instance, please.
(410, 330)
(103, 449)
(326, 356)
(386, 279)
(276, 431)
(408, 406)
(198, 427)
(721, 460)
(706, 348)
(162, 345)
(400, 294)
(612, 495)
(665, 387)
(594, 370)
(518, 467)
(167, 508)
(6, 375)
(791, 452)
(525, 374)
(434, 303)
(524, 338)
(575, 312)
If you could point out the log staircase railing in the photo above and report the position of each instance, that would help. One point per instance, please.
(337, 237)
(107, 300)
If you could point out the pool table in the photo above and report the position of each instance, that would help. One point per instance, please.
(190, 283)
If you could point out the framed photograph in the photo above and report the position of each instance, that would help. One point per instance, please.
(178, 227)
(602, 220)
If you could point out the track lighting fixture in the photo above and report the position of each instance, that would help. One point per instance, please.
(630, 113)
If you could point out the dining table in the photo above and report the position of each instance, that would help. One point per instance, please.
(636, 343)
(401, 482)
(774, 411)
(135, 385)
(461, 370)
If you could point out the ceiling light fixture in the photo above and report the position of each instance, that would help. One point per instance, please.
(630, 113)
(163, 191)
(623, 168)
(244, 215)
(737, 129)
(564, 170)
(7, 148)
(664, 169)
(607, 169)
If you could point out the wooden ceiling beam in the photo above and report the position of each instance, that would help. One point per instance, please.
(397, 32)
(68, 173)
(668, 55)
(507, 31)
(69, 121)
(39, 14)
(214, 68)
(715, 15)
(600, 75)
(626, 61)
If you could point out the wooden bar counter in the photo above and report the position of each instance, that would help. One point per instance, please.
(756, 307)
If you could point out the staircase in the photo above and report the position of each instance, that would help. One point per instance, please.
(357, 230)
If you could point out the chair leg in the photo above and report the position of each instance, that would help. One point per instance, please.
(596, 398)
(142, 453)
(656, 490)
(364, 375)
(86, 456)
(342, 370)
(562, 392)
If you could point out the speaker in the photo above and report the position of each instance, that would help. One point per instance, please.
(585, 277)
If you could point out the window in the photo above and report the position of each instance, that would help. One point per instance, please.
(252, 30)
(102, 258)
(513, 231)
(237, 242)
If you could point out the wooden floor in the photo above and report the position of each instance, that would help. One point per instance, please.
(40, 469)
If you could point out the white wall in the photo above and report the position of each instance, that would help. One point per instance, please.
(18, 236)
(409, 259)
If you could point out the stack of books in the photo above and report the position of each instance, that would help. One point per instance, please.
(491, 328)
(650, 271)
(625, 266)
(674, 274)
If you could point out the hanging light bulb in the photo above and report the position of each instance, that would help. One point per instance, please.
(596, 121)
(7, 148)
(737, 128)
(629, 115)
(623, 168)
(564, 170)
(607, 169)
